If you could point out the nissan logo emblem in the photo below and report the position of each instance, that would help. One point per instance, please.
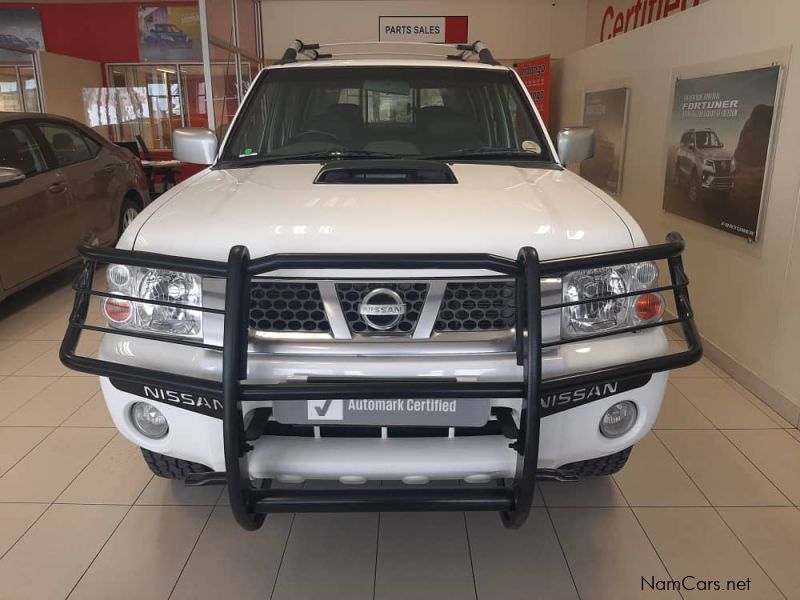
(382, 309)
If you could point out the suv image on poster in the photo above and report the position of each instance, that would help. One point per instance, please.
(703, 164)
(385, 273)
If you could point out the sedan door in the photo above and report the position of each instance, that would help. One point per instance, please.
(90, 175)
(34, 213)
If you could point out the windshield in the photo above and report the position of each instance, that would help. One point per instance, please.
(707, 139)
(386, 112)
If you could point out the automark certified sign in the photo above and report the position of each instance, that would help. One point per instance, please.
(400, 411)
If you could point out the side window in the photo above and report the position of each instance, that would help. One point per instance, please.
(93, 145)
(18, 149)
(67, 144)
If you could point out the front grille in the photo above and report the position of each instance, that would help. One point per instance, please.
(287, 306)
(477, 306)
(412, 294)
(722, 167)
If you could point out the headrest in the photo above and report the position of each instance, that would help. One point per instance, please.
(63, 141)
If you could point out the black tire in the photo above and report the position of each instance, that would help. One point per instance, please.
(130, 208)
(169, 467)
(605, 465)
(694, 188)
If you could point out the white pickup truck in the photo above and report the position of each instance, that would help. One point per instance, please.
(385, 273)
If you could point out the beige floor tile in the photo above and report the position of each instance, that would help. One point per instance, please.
(16, 391)
(229, 562)
(725, 407)
(115, 476)
(23, 323)
(54, 329)
(678, 413)
(776, 454)
(49, 468)
(510, 563)
(329, 556)
(724, 476)
(18, 355)
(653, 477)
(144, 557)
(170, 492)
(760, 404)
(587, 491)
(772, 535)
(51, 557)
(55, 403)
(15, 519)
(608, 553)
(16, 442)
(696, 542)
(93, 413)
(46, 365)
(432, 546)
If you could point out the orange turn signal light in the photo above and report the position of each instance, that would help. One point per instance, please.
(649, 307)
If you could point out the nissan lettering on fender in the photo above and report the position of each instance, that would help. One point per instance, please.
(377, 277)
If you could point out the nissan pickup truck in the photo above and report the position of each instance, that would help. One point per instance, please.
(385, 273)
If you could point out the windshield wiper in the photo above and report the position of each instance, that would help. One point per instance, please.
(321, 155)
(469, 153)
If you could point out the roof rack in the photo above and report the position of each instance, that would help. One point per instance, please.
(464, 52)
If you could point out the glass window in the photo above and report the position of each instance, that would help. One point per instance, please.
(30, 94)
(403, 111)
(67, 144)
(163, 108)
(19, 150)
(10, 98)
(93, 145)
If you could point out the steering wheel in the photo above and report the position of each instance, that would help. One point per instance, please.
(317, 132)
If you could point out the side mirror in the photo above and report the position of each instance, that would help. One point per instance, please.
(691, 146)
(575, 144)
(194, 145)
(10, 176)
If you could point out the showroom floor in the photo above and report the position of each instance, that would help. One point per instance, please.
(713, 493)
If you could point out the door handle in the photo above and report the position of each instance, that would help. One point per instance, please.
(57, 188)
(109, 168)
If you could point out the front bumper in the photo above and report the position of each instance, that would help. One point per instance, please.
(536, 392)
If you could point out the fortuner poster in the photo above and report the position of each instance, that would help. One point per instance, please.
(606, 111)
(169, 33)
(719, 148)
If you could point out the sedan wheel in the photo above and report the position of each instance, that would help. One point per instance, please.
(129, 211)
(128, 216)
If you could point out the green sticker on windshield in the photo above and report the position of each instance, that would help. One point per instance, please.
(247, 152)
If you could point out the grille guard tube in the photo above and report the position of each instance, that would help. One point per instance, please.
(251, 503)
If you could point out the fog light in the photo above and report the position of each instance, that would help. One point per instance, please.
(149, 420)
(618, 419)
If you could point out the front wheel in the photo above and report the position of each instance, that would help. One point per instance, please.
(171, 468)
(129, 211)
(605, 465)
(694, 188)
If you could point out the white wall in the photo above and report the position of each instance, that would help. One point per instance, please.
(63, 80)
(746, 296)
(511, 28)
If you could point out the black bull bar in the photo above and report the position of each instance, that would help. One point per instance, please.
(250, 502)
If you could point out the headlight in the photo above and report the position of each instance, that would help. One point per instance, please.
(158, 285)
(709, 165)
(598, 312)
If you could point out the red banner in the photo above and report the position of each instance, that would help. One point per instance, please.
(535, 74)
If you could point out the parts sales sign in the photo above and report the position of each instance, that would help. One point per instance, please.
(447, 30)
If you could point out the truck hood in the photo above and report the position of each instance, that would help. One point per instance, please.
(277, 208)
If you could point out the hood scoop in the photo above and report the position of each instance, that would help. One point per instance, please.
(377, 172)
